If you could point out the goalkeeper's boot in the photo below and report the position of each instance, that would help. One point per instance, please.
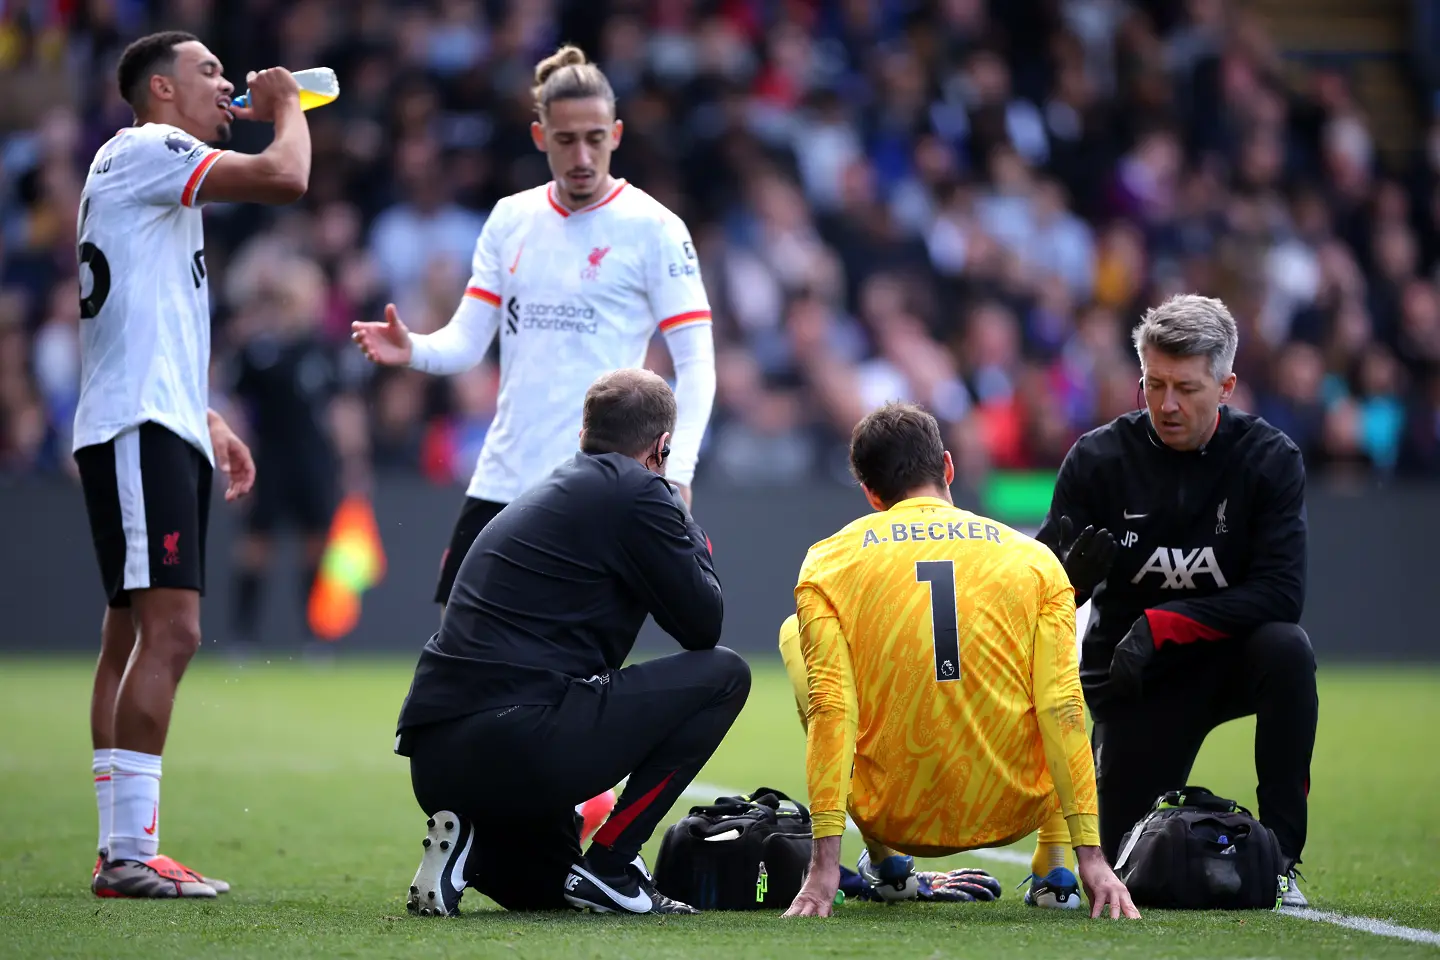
(893, 878)
(1057, 890)
(633, 891)
(158, 878)
(854, 886)
(1290, 892)
(440, 881)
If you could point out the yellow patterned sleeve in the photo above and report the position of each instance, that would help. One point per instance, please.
(1060, 709)
(832, 714)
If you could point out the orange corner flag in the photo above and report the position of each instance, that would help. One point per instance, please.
(353, 562)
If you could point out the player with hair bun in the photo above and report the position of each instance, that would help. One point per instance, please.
(575, 276)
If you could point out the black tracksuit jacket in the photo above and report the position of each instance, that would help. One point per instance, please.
(556, 588)
(1211, 542)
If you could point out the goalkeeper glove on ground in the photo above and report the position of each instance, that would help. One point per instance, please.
(958, 886)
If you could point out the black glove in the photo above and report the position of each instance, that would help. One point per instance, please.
(959, 886)
(1086, 558)
(1127, 665)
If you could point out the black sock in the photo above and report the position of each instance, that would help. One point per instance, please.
(605, 862)
(247, 603)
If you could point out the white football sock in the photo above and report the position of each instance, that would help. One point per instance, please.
(104, 795)
(135, 832)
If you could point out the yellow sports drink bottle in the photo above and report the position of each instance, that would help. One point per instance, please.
(318, 86)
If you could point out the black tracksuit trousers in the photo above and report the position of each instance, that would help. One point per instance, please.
(1146, 746)
(517, 773)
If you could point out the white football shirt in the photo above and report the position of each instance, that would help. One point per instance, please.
(575, 294)
(144, 295)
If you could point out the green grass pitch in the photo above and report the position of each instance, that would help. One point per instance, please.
(279, 777)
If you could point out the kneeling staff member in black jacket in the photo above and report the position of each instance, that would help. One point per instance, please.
(519, 708)
(1196, 621)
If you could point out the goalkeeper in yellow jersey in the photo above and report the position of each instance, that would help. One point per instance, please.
(933, 651)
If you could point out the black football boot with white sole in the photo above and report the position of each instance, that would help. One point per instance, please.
(632, 892)
(440, 881)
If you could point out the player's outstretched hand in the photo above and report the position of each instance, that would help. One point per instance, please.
(232, 457)
(388, 343)
(1102, 887)
(267, 90)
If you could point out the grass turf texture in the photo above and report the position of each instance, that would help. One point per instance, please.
(279, 777)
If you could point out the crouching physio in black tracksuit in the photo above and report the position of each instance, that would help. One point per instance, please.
(519, 708)
(1195, 620)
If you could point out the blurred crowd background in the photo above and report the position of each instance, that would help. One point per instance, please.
(960, 202)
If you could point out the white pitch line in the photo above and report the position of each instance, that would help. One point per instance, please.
(1380, 928)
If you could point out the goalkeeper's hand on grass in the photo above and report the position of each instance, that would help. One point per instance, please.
(964, 885)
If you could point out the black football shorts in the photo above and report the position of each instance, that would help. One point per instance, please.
(475, 515)
(147, 493)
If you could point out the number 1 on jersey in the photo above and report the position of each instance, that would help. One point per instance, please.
(944, 620)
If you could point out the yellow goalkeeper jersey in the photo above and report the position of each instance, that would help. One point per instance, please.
(935, 651)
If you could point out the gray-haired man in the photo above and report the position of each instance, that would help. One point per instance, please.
(1196, 620)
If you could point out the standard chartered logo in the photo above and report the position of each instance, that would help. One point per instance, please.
(556, 311)
(555, 317)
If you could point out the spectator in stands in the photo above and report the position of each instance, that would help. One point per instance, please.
(967, 206)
